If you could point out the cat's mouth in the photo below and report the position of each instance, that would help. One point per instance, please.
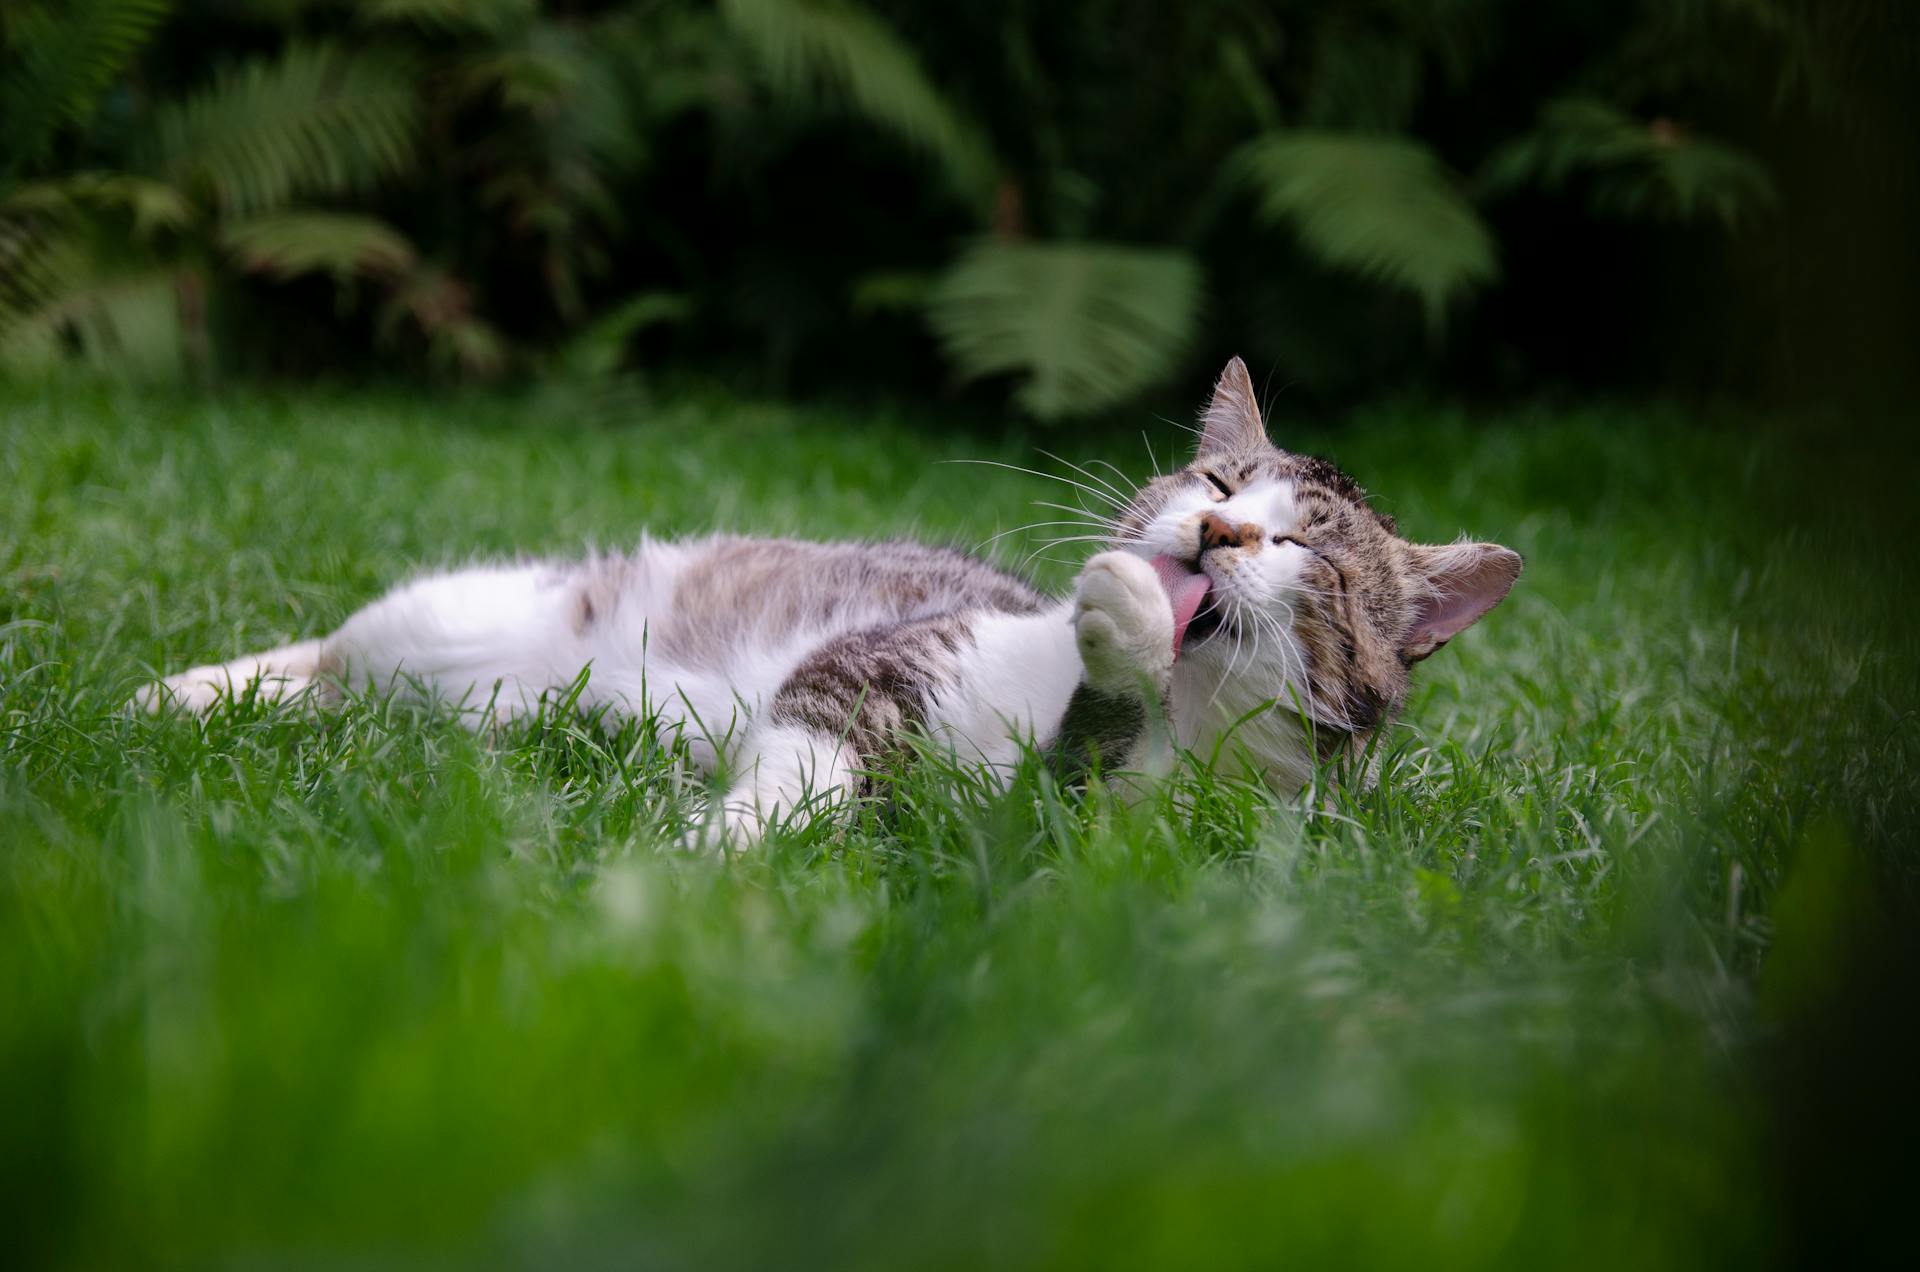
(1206, 621)
(1196, 615)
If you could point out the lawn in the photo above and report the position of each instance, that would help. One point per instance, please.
(373, 990)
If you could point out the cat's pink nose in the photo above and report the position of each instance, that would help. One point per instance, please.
(1217, 532)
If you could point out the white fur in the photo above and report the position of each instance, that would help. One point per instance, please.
(788, 770)
(1010, 687)
(497, 638)
(1124, 625)
(484, 635)
(274, 676)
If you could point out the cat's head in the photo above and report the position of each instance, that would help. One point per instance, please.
(1310, 591)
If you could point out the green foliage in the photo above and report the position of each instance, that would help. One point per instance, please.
(315, 120)
(434, 305)
(1384, 208)
(550, 158)
(153, 206)
(1637, 170)
(565, 132)
(289, 244)
(1083, 325)
(599, 349)
(830, 51)
(77, 280)
(59, 60)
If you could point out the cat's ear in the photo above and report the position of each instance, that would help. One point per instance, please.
(1231, 421)
(1453, 586)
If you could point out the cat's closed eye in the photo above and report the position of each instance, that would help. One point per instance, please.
(1218, 485)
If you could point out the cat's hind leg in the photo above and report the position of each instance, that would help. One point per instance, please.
(487, 638)
(277, 675)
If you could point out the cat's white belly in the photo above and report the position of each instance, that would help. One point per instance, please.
(491, 635)
(1012, 685)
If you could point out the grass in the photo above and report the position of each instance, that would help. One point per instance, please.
(371, 990)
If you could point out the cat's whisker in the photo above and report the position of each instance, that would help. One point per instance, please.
(1317, 713)
(1151, 457)
(1122, 495)
(1132, 485)
(1101, 535)
(1104, 534)
(1031, 525)
(1039, 554)
(1035, 472)
(1049, 544)
(1293, 666)
(1092, 517)
(1226, 677)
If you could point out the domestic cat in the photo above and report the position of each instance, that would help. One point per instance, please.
(1252, 578)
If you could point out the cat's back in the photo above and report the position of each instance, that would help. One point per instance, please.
(706, 599)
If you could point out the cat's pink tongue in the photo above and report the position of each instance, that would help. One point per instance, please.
(1184, 589)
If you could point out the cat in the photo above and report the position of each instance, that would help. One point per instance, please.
(1254, 592)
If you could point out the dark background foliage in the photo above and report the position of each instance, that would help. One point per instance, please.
(1076, 204)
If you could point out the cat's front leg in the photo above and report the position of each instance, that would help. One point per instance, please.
(788, 772)
(845, 706)
(1123, 627)
(1123, 624)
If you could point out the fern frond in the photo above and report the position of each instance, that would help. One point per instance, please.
(1384, 208)
(468, 346)
(61, 58)
(573, 84)
(1085, 325)
(288, 244)
(38, 271)
(440, 308)
(596, 352)
(834, 51)
(153, 205)
(519, 78)
(1638, 170)
(313, 120)
(1363, 78)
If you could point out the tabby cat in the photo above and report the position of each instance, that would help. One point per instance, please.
(1252, 576)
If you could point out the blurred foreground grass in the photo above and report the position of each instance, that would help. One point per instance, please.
(370, 990)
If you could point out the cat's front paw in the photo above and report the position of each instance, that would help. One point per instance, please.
(1124, 624)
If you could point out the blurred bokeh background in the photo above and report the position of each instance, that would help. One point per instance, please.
(1068, 207)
